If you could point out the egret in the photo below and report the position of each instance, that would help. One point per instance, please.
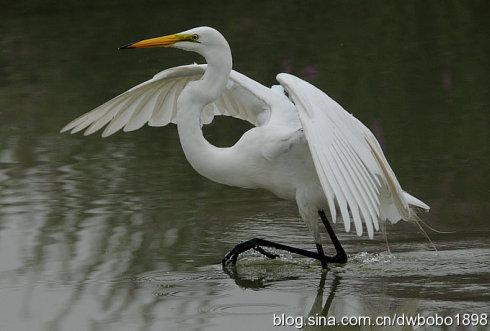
(303, 147)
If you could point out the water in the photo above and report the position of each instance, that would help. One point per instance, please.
(121, 233)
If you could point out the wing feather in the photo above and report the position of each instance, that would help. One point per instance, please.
(155, 102)
(354, 187)
(123, 115)
(159, 112)
(228, 109)
(99, 122)
(349, 161)
(362, 193)
(328, 176)
(143, 114)
(363, 190)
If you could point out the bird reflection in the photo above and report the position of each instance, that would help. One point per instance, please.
(318, 308)
(259, 277)
(243, 282)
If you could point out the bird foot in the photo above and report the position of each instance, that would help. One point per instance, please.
(257, 244)
(242, 247)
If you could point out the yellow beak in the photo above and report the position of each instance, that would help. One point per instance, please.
(165, 41)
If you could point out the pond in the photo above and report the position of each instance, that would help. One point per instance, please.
(121, 233)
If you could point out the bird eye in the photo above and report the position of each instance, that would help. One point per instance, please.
(195, 37)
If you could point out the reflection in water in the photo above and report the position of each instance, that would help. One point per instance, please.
(120, 233)
(317, 309)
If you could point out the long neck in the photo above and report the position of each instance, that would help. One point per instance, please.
(210, 161)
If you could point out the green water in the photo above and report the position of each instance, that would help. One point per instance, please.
(122, 234)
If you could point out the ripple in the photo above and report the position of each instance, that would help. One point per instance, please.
(241, 309)
(204, 283)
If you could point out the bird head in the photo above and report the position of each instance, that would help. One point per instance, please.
(199, 40)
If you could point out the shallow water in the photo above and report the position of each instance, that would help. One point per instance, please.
(121, 233)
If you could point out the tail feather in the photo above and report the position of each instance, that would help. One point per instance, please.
(415, 202)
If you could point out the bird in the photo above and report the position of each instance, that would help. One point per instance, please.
(303, 146)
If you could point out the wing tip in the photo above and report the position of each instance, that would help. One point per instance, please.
(106, 133)
(88, 132)
(413, 201)
(283, 78)
(358, 230)
(70, 126)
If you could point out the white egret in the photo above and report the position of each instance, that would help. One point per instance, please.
(304, 147)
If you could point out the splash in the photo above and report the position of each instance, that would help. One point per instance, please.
(372, 258)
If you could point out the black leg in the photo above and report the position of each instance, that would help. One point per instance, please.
(258, 244)
(319, 248)
(341, 256)
(266, 253)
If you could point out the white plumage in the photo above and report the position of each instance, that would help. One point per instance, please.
(305, 148)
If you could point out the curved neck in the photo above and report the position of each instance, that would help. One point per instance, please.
(208, 160)
(215, 76)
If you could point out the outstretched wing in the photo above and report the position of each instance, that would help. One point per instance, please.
(155, 102)
(353, 171)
